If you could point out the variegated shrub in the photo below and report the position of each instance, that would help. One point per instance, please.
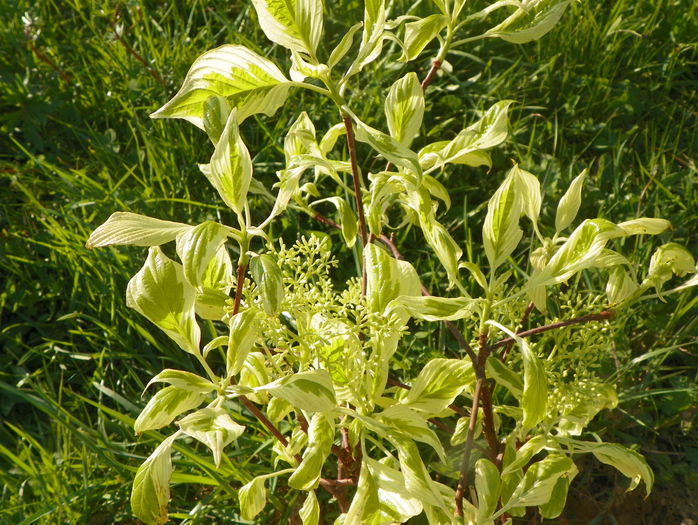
(314, 364)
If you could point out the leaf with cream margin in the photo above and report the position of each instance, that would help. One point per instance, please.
(136, 230)
(213, 427)
(160, 292)
(293, 24)
(404, 108)
(248, 81)
(151, 485)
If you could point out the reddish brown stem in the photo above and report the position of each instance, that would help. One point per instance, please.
(435, 66)
(51, 63)
(135, 53)
(238, 287)
(601, 316)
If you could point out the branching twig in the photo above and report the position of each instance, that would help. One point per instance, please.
(601, 316)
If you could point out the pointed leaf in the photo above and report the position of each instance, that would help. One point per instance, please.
(645, 226)
(244, 330)
(294, 24)
(137, 230)
(198, 247)
(183, 381)
(320, 441)
(438, 384)
(418, 34)
(151, 486)
(230, 170)
(535, 390)
(213, 427)
(412, 424)
(501, 233)
(311, 391)
(404, 108)
(530, 22)
(165, 406)
(390, 148)
(310, 511)
(269, 279)
(487, 486)
(432, 308)
(396, 505)
(245, 79)
(160, 292)
(569, 204)
(537, 485)
(344, 46)
(253, 498)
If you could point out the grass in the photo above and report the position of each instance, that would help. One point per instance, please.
(613, 88)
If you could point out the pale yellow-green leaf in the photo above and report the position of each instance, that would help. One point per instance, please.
(151, 485)
(248, 81)
(253, 498)
(438, 384)
(501, 232)
(569, 204)
(197, 247)
(294, 24)
(344, 45)
(532, 21)
(404, 108)
(645, 226)
(418, 34)
(165, 406)
(213, 427)
(320, 440)
(310, 510)
(160, 292)
(487, 487)
(230, 170)
(244, 330)
(269, 279)
(137, 230)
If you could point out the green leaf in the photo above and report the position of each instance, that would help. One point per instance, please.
(300, 139)
(344, 46)
(438, 384)
(524, 454)
(432, 308)
(531, 22)
(501, 233)
(396, 505)
(347, 219)
(569, 204)
(390, 148)
(537, 485)
(404, 108)
(311, 391)
(230, 170)
(211, 304)
(529, 186)
(418, 483)
(365, 504)
(244, 330)
(320, 441)
(269, 279)
(387, 278)
(437, 236)
(213, 296)
(216, 113)
(160, 292)
(294, 24)
(626, 461)
(620, 285)
(668, 260)
(183, 381)
(558, 498)
(310, 511)
(253, 498)
(213, 427)
(151, 486)
(248, 81)
(137, 230)
(437, 189)
(403, 419)
(197, 247)
(467, 147)
(418, 34)
(645, 226)
(582, 250)
(165, 406)
(505, 376)
(535, 389)
(487, 486)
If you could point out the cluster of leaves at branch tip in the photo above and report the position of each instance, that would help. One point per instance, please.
(316, 361)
